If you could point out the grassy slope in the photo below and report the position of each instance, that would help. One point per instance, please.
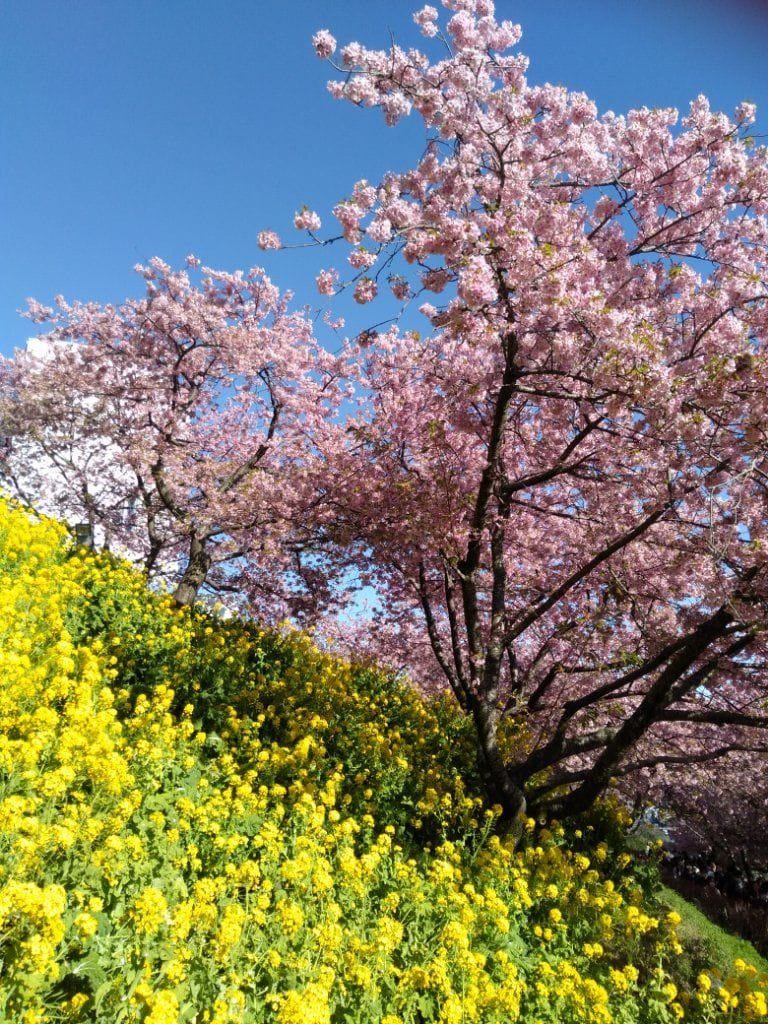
(705, 943)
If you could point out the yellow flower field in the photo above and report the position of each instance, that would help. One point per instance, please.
(206, 823)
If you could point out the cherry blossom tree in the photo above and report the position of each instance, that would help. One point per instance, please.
(49, 463)
(185, 425)
(722, 807)
(562, 487)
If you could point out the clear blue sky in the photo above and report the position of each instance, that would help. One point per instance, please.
(133, 128)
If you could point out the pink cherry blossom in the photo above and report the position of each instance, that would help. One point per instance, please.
(365, 290)
(269, 240)
(362, 258)
(379, 230)
(477, 284)
(327, 282)
(425, 19)
(400, 287)
(324, 43)
(307, 220)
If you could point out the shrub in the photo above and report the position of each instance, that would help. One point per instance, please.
(154, 871)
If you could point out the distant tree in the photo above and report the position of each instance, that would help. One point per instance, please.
(48, 461)
(184, 425)
(563, 488)
(720, 806)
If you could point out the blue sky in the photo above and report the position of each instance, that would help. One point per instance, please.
(133, 128)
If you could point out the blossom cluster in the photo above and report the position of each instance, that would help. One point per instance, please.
(311, 857)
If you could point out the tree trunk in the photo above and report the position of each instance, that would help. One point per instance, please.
(195, 573)
(499, 783)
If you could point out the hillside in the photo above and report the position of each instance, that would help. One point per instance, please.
(205, 822)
